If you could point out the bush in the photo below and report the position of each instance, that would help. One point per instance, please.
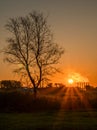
(25, 102)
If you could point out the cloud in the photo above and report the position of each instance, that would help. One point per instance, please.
(78, 77)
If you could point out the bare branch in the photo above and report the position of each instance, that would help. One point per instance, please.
(31, 45)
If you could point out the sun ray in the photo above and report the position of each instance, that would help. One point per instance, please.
(70, 101)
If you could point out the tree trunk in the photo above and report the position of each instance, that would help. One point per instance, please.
(33, 83)
(35, 92)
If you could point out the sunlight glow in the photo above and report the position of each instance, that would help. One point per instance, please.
(77, 77)
(70, 81)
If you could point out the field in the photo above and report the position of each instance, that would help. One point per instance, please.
(49, 121)
(53, 109)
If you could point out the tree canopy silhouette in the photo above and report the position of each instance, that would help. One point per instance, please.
(31, 47)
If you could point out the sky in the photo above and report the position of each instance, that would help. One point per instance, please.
(74, 25)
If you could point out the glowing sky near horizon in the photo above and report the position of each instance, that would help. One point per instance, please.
(74, 25)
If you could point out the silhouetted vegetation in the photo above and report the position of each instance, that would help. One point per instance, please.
(10, 84)
(51, 98)
(25, 102)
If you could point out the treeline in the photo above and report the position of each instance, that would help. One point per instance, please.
(10, 84)
(51, 98)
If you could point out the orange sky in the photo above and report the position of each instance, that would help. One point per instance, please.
(74, 23)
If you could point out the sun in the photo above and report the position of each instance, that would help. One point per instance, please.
(70, 81)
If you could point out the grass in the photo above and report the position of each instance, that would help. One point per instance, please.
(53, 109)
(68, 120)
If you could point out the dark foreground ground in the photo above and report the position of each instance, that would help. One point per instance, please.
(53, 109)
(60, 120)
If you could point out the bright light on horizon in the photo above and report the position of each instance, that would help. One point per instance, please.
(74, 78)
(77, 77)
(70, 81)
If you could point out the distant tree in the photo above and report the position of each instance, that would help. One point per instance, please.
(31, 47)
(59, 85)
(88, 87)
(50, 85)
(10, 84)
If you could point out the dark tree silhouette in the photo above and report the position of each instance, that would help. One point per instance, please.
(10, 84)
(31, 47)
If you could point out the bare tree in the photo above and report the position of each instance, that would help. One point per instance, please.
(31, 47)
